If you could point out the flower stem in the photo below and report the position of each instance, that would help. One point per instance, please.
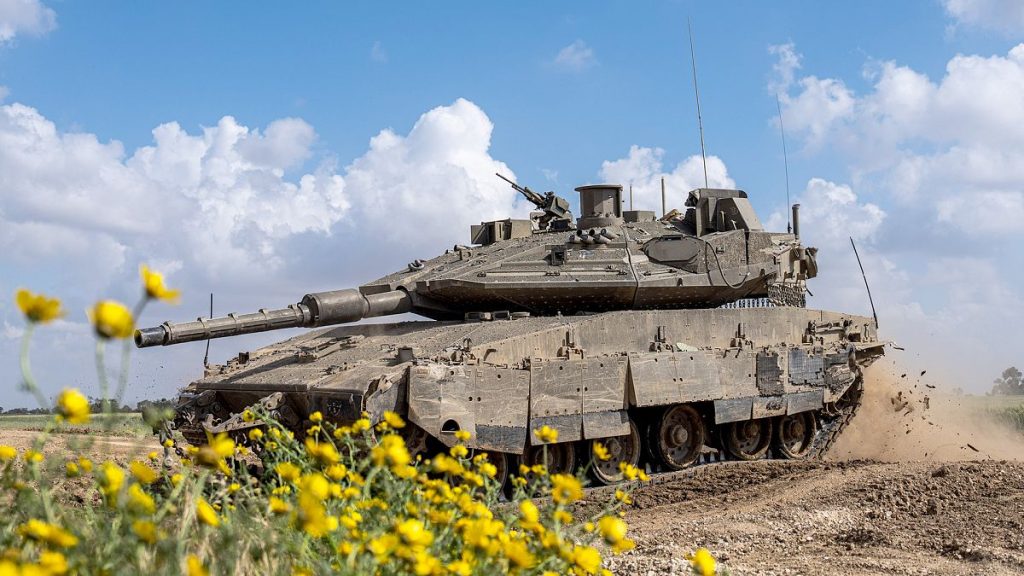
(26, 369)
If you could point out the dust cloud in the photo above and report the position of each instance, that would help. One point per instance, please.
(906, 418)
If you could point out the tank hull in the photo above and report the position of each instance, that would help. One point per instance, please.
(673, 375)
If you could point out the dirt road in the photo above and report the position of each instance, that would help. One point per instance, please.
(835, 518)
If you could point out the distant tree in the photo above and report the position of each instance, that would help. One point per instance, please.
(1010, 383)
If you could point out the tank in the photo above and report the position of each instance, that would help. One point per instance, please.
(670, 341)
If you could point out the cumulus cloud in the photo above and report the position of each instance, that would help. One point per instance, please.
(1003, 15)
(642, 169)
(247, 212)
(943, 161)
(29, 17)
(575, 57)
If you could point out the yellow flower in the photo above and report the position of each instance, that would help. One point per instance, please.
(462, 435)
(459, 451)
(519, 555)
(632, 472)
(195, 566)
(139, 501)
(38, 307)
(53, 563)
(50, 534)
(287, 471)
(323, 452)
(218, 448)
(586, 559)
(142, 472)
(565, 489)
(600, 452)
(33, 456)
(529, 512)
(111, 480)
(624, 545)
(316, 417)
(176, 479)
(390, 451)
(255, 434)
(112, 319)
(71, 470)
(8, 452)
(168, 443)
(145, 530)
(612, 529)
(278, 506)
(562, 516)
(414, 533)
(153, 282)
(393, 420)
(546, 434)
(234, 487)
(623, 496)
(73, 406)
(153, 455)
(206, 514)
(702, 561)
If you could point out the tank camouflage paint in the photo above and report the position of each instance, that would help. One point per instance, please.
(668, 340)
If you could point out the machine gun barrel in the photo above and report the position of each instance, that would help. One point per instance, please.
(317, 309)
(532, 196)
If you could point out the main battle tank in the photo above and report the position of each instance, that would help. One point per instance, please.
(669, 340)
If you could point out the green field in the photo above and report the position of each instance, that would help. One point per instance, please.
(1006, 409)
(128, 424)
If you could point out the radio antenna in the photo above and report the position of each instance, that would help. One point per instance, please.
(865, 276)
(206, 358)
(696, 93)
(785, 159)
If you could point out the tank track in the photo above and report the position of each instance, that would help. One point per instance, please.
(832, 426)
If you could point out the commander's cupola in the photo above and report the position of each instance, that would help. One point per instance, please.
(600, 206)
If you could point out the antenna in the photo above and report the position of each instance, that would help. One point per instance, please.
(863, 275)
(206, 358)
(785, 159)
(696, 93)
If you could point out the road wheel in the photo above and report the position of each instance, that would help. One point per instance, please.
(561, 458)
(794, 435)
(678, 436)
(620, 449)
(749, 439)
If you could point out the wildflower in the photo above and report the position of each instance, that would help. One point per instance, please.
(316, 417)
(153, 283)
(139, 501)
(702, 562)
(459, 451)
(546, 434)
(414, 533)
(51, 562)
(206, 514)
(8, 452)
(73, 406)
(168, 443)
(612, 529)
(71, 470)
(111, 480)
(153, 455)
(248, 416)
(393, 420)
(50, 534)
(462, 435)
(142, 472)
(111, 319)
(562, 517)
(32, 456)
(218, 448)
(565, 489)
(195, 566)
(38, 308)
(623, 496)
(632, 472)
(145, 530)
(519, 555)
(312, 515)
(390, 451)
(323, 452)
(287, 471)
(278, 506)
(336, 471)
(255, 434)
(586, 559)
(176, 479)
(601, 452)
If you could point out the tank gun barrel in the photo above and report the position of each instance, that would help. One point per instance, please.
(314, 310)
(532, 196)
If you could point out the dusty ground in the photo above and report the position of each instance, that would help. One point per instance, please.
(917, 485)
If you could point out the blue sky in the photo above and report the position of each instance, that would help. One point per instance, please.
(252, 151)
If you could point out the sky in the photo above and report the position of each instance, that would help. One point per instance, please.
(263, 151)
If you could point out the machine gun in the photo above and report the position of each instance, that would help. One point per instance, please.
(557, 215)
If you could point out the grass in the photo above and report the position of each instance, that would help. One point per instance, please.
(128, 424)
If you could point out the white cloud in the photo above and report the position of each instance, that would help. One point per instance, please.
(230, 209)
(785, 67)
(1003, 15)
(642, 168)
(378, 53)
(575, 57)
(30, 17)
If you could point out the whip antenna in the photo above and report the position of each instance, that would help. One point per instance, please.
(206, 358)
(696, 93)
(865, 276)
(785, 159)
